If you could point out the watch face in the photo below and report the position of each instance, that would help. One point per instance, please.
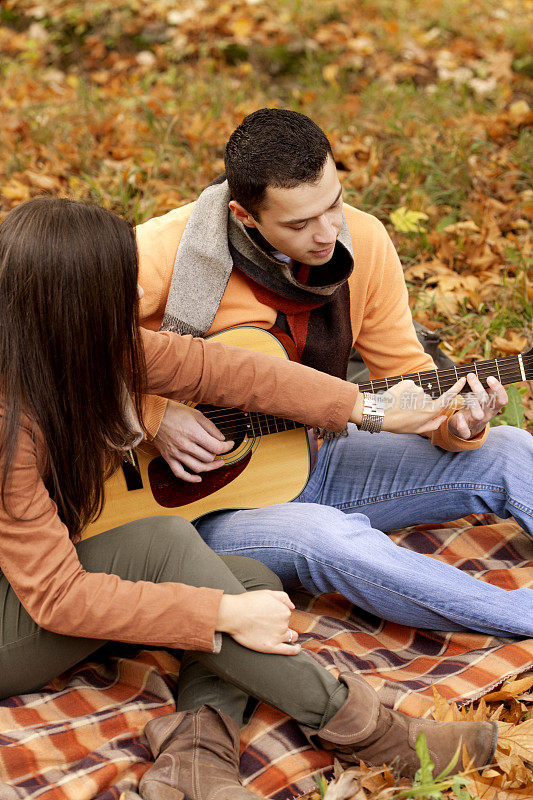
(381, 401)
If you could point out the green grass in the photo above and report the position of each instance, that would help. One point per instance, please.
(141, 140)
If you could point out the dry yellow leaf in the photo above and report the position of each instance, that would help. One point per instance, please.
(512, 343)
(460, 227)
(15, 190)
(444, 710)
(519, 110)
(242, 27)
(330, 72)
(451, 283)
(45, 182)
(446, 304)
(517, 740)
(488, 790)
(426, 268)
(511, 688)
(347, 787)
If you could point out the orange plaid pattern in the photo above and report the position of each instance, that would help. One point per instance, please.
(81, 737)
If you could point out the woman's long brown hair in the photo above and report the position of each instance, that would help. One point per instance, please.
(69, 345)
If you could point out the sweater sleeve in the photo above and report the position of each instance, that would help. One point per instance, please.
(387, 338)
(184, 368)
(157, 243)
(42, 566)
(154, 408)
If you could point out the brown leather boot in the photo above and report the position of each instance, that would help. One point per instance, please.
(196, 757)
(364, 729)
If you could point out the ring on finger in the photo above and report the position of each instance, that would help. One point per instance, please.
(290, 637)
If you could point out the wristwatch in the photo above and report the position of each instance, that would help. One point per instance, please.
(373, 412)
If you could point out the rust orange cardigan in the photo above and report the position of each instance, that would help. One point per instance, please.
(37, 555)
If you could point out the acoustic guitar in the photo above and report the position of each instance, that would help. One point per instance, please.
(270, 462)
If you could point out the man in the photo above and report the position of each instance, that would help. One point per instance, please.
(272, 244)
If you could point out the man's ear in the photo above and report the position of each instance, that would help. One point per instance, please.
(241, 214)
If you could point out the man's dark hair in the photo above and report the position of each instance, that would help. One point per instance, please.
(273, 147)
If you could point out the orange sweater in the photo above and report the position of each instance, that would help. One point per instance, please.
(37, 555)
(381, 320)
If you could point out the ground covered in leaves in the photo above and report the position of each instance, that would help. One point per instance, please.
(130, 102)
(510, 778)
(428, 107)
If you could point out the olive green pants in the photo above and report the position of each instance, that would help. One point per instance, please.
(170, 549)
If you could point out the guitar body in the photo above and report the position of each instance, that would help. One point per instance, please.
(270, 462)
(260, 471)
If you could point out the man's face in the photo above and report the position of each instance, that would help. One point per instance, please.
(303, 222)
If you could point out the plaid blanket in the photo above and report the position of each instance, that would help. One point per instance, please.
(81, 737)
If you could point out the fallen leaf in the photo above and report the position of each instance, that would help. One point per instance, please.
(459, 227)
(446, 304)
(42, 181)
(511, 688)
(516, 739)
(242, 28)
(330, 72)
(407, 221)
(511, 344)
(347, 787)
(16, 190)
(519, 110)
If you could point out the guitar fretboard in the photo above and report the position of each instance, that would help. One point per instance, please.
(235, 423)
(509, 369)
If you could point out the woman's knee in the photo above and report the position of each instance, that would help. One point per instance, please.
(143, 549)
(252, 574)
(171, 529)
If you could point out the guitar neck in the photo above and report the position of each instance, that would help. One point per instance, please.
(237, 424)
(434, 382)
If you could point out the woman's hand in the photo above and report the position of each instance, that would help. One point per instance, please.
(259, 620)
(410, 410)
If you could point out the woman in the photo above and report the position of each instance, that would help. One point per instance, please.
(73, 366)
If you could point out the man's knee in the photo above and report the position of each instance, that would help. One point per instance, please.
(253, 574)
(508, 448)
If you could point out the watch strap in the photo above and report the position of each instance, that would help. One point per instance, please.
(373, 413)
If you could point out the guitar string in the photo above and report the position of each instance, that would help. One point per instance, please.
(430, 376)
(465, 368)
(451, 379)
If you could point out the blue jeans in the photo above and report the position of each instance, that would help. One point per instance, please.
(330, 539)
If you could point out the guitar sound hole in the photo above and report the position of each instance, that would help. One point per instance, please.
(232, 422)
